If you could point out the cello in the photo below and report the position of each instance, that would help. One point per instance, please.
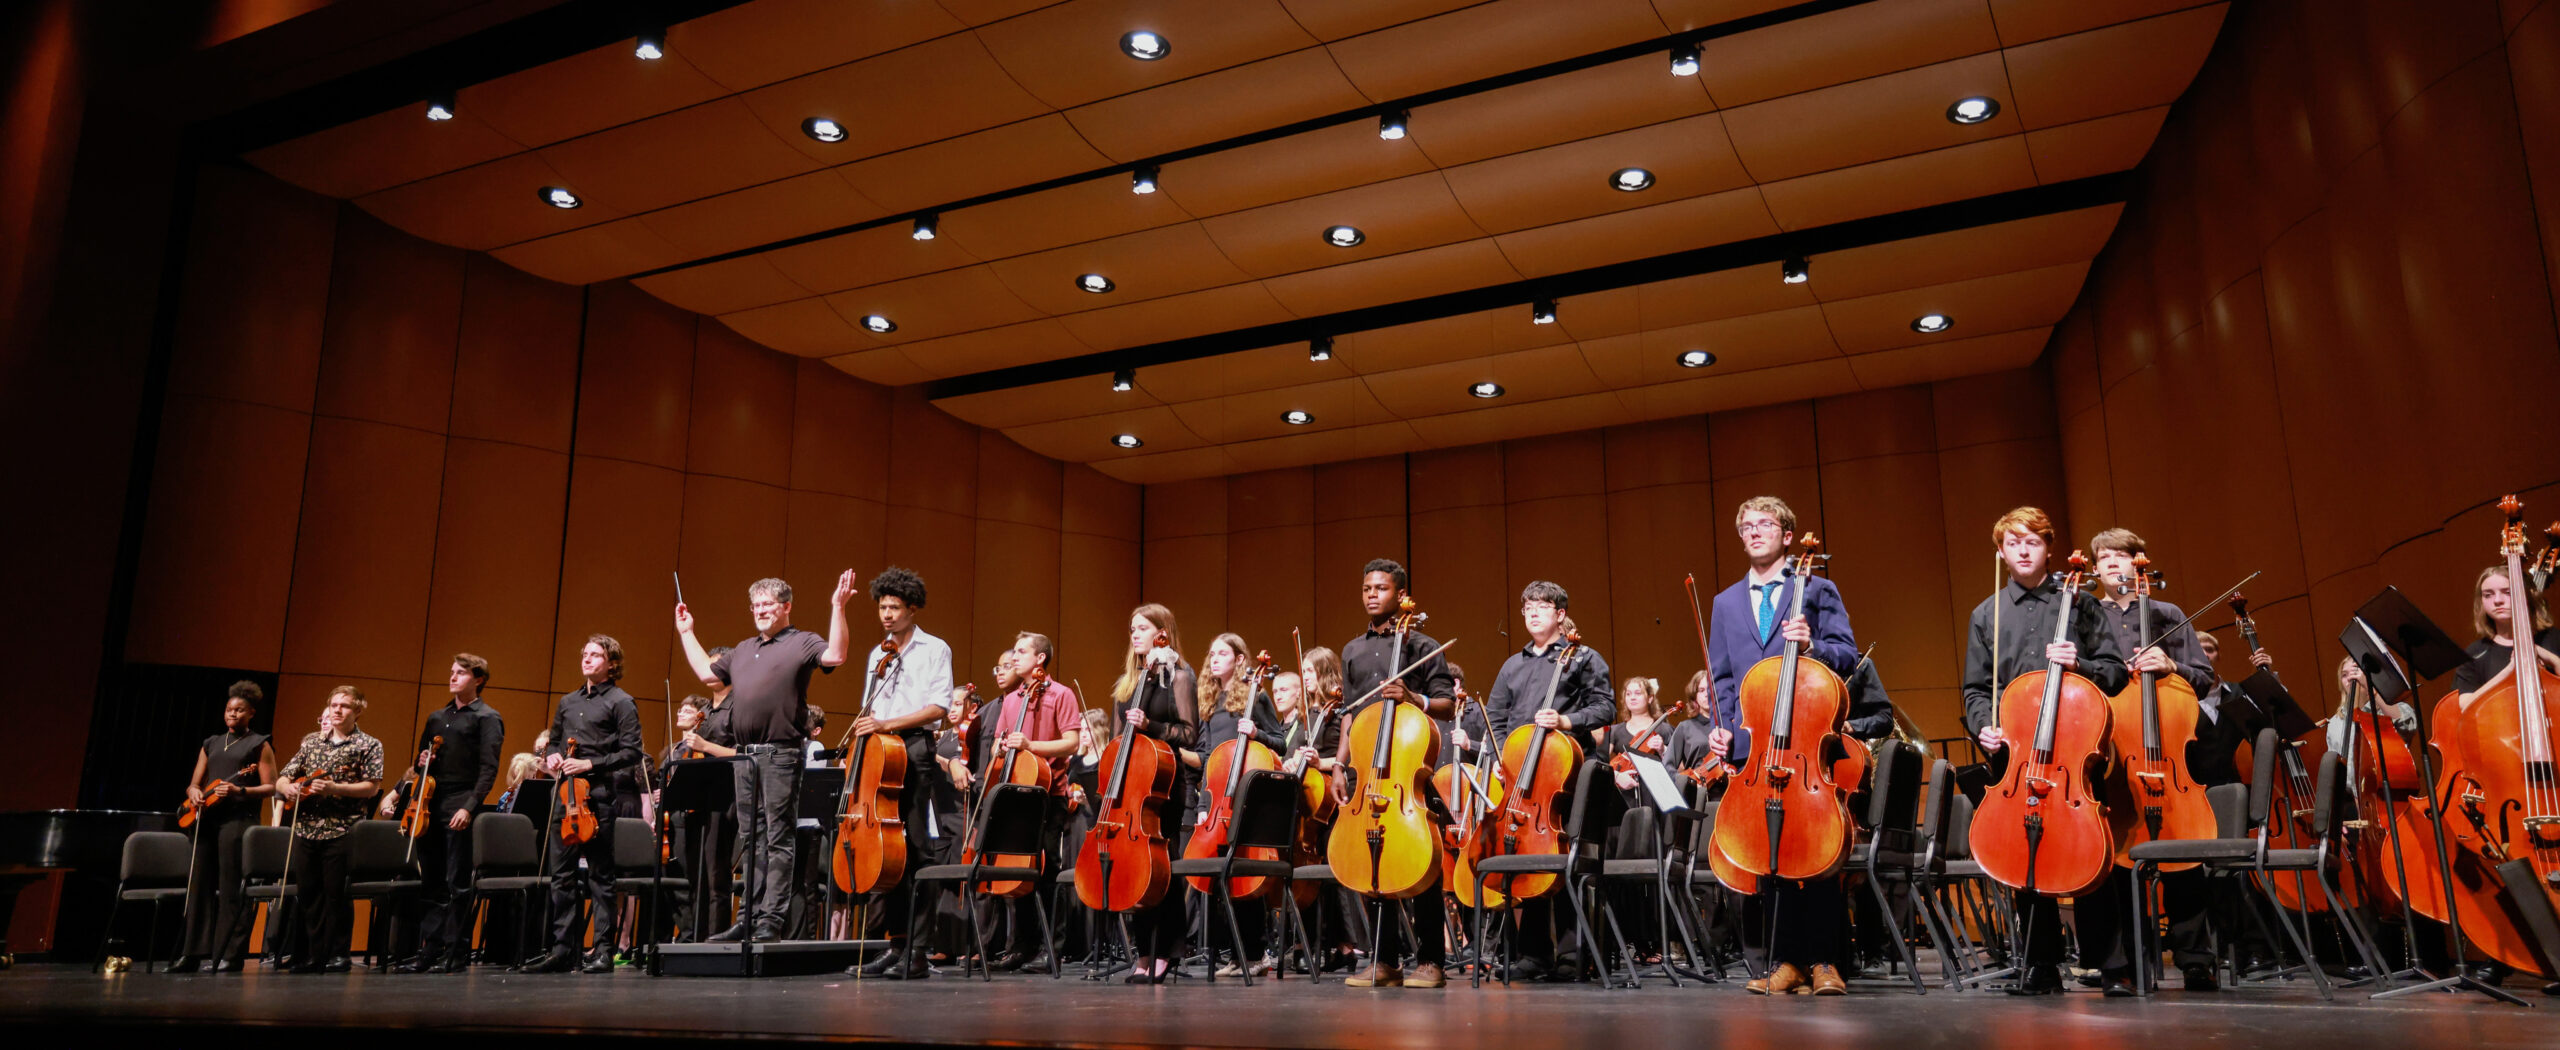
(1124, 864)
(1011, 767)
(2503, 780)
(871, 838)
(577, 822)
(1471, 794)
(2042, 828)
(1782, 813)
(1383, 843)
(2152, 796)
(1540, 764)
(1222, 774)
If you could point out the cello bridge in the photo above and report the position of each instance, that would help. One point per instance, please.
(2039, 786)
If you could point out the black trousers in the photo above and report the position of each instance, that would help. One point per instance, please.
(595, 883)
(1808, 927)
(214, 906)
(445, 897)
(320, 868)
(925, 843)
(1156, 931)
(2100, 923)
(768, 811)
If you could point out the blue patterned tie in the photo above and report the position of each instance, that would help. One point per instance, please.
(1768, 609)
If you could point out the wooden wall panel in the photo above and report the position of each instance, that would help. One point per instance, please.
(256, 295)
(933, 458)
(1097, 586)
(943, 548)
(1342, 546)
(1657, 536)
(732, 533)
(1897, 603)
(624, 524)
(1271, 574)
(839, 433)
(635, 377)
(363, 558)
(742, 399)
(395, 307)
(217, 546)
(1018, 579)
(827, 535)
(515, 371)
(497, 558)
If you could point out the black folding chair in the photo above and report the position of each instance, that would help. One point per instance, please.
(153, 869)
(264, 882)
(635, 872)
(1011, 821)
(1650, 833)
(1895, 850)
(1594, 812)
(505, 852)
(378, 872)
(1266, 817)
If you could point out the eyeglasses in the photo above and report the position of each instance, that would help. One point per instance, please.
(1749, 527)
(1530, 607)
(762, 606)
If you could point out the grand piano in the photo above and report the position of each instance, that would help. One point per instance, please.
(87, 844)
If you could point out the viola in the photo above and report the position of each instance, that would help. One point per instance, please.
(1124, 863)
(415, 818)
(1222, 774)
(191, 809)
(1383, 842)
(577, 822)
(2042, 828)
(2503, 797)
(1782, 813)
(1013, 767)
(2151, 795)
(1540, 764)
(1471, 794)
(871, 838)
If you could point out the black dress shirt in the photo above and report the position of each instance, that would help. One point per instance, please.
(1366, 662)
(2488, 658)
(2181, 647)
(606, 724)
(466, 767)
(2027, 619)
(1583, 695)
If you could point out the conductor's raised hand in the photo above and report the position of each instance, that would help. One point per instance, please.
(684, 619)
(844, 589)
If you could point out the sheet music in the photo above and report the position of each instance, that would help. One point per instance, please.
(1656, 778)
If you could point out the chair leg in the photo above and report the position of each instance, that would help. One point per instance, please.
(1235, 934)
(107, 940)
(2351, 926)
(1893, 927)
(2311, 962)
(1626, 949)
(151, 937)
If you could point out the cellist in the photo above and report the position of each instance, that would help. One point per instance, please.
(2011, 633)
(1230, 707)
(1049, 726)
(910, 698)
(1157, 695)
(605, 722)
(1582, 705)
(1746, 627)
(1367, 661)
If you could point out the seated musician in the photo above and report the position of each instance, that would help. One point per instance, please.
(232, 767)
(1050, 727)
(345, 765)
(1581, 705)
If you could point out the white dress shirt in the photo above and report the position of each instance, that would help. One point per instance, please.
(921, 678)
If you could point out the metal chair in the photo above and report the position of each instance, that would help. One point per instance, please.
(1970, 894)
(1266, 817)
(505, 853)
(1011, 822)
(635, 871)
(1896, 849)
(264, 881)
(1656, 833)
(1595, 811)
(154, 869)
(378, 870)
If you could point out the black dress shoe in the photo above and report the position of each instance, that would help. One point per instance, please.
(600, 962)
(767, 934)
(184, 964)
(2119, 986)
(1006, 963)
(2200, 979)
(227, 965)
(910, 970)
(337, 964)
(561, 960)
(1040, 963)
(413, 966)
(2040, 980)
(734, 933)
(880, 964)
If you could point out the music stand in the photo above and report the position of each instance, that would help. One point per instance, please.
(2277, 703)
(2385, 626)
(693, 785)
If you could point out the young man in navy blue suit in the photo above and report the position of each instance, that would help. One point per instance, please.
(1750, 623)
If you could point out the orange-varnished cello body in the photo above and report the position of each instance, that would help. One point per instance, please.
(1384, 842)
(1125, 863)
(1471, 793)
(2152, 796)
(2043, 828)
(871, 838)
(1783, 814)
(1221, 778)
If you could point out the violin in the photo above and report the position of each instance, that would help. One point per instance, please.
(2042, 828)
(2152, 796)
(1710, 769)
(577, 822)
(191, 809)
(871, 838)
(964, 721)
(422, 787)
(2503, 798)
(1124, 863)
(1383, 842)
(1782, 814)
(1470, 794)
(1223, 776)
(1012, 767)
(1540, 764)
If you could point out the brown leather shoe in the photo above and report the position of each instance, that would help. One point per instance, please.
(1426, 975)
(1375, 975)
(1786, 978)
(1826, 980)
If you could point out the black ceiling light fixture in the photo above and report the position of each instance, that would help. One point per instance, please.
(560, 197)
(1297, 417)
(1932, 324)
(1344, 236)
(1696, 359)
(1629, 180)
(1145, 45)
(1143, 180)
(1126, 440)
(651, 46)
(1797, 270)
(440, 106)
(1320, 348)
(1973, 110)
(1095, 283)
(879, 323)
(1123, 380)
(1542, 312)
(1487, 389)
(1684, 60)
(928, 226)
(1391, 124)
(822, 129)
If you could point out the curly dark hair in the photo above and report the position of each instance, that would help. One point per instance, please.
(902, 584)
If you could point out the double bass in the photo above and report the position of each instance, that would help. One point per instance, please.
(1124, 864)
(871, 837)
(1783, 814)
(2042, 828)
(1384, 843)
(2504, 783)
(2152, 796)
(1539, 763)
(1222, 780)
(1010, 766)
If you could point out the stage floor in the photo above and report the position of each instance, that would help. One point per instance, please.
(58, 1004)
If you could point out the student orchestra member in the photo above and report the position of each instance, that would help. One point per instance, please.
(348, 768)
(1367, 662)
(1581, 705)
(910, 696)
(465, 767)
(233, 767)
(605, 722)
(1157, 696)
(1231, 709)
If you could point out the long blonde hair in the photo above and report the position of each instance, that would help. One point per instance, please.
(2515, 600)
(1652, 691)
(1328, 665)
(1131, 664)
(1230, 694)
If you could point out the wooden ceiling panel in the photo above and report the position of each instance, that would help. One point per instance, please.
(725, 287)
(2137, 65)
(1337, 19)
(1716, 296)
(936, 304)
(596, 253)
(908, 97)
(1329, 446)
(1740, 344)
(1981, 251)
(1025, 151)
(1900, 184)
(1397, 216)
(867, 257)
(1596, 101)
(1717, 218)
(1964, 357)
(752, 45)
(1684, 15)
(1069, 54)
(1170, 466)
(1177, 316)
(1981, 306)
(885, 367)
(724, 148)
(486, 205)
(1041, 340)
(1322, 161)
(1458, 338)
(1087, 439)
(805, 327)
(1079, 215)
(762, 214)
(1525, 375)
(1044, 403)
(2094, 147)
(1843, 46)
(1335, 404)
(1370, 282)
(589, 92)
(1724, 393)
(1869, 120)
(1507, 34)
(2021, 21)
(1276, 91)
(385, 150)
(1599, 315)
(987, 12)
(1533, 419)
(1688, 157)
(1146, 265)
(1229, 374)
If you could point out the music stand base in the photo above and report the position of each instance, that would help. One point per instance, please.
(768, 959)
(2456, 983)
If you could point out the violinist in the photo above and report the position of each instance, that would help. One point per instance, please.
(605, 722)
(910, 697)
(2011, 633)
(465, 767)
(1746, 626)
(1231, 708)
(767, 679)
(1642, 727)
(1581, 704)
(1157, 695)
(331, 775)
(1367, 662)
(1313, 745)
(1049, 726)
(1690, 744)
(232, 767)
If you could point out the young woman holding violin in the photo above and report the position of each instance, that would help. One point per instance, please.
(1157, 697)
(1642, 727)
(232, 767)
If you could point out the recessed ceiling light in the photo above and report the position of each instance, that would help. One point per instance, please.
(440, 107)
(878, 323)
(1095, 283)
(1796, 271)
(1629, 180)
(1485, 389)
(1143, 180)
(1297, 417)
(822, 129)
(928, 226)
(1931, 324)
(1320, 348)
(1684, 60)
(560, 198)
(1145, 45)
(1343, 236)
(1542, 312)
(1973, 110)
(651, 47)
(1696, 359)
(1126, 440)
(1391, 125)
(1123, 380)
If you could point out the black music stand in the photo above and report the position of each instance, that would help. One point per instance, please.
(2276, 702)
(2385, 626)
(694, 785)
